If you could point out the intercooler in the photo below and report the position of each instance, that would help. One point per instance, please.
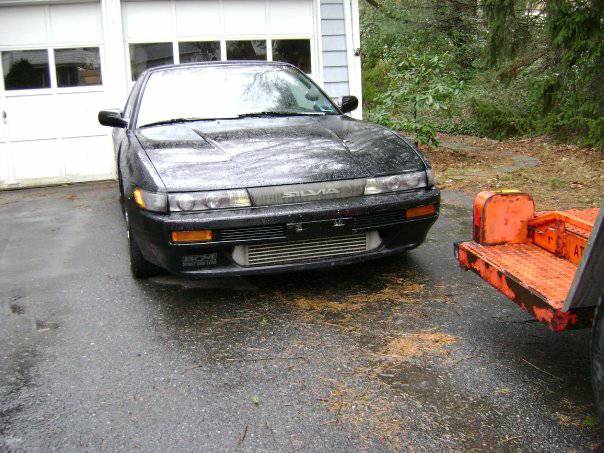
(305, 251)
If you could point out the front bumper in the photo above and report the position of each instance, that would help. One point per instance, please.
(152, 232)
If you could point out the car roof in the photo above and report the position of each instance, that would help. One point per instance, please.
(239, 63)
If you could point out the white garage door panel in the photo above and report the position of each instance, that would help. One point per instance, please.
(245, 17)
(32, 117)
(52, 134)
(291, 17)
(75, 23)
(5, 165)
(194, 18)
(148, 20)
(38, 160)
(81, 114)
(25, 25)
(88, 158)
(3, 127)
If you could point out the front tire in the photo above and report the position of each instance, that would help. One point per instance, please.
(597, 360)
(139, 266)
(120, 185)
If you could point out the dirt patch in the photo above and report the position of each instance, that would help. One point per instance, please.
(557, 176)
(413, 345)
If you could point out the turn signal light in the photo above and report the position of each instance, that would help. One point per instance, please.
(421, 211)
(138, 197)
(192, 236)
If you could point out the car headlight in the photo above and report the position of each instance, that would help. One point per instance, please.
(150, 201)
(215, 199)
(396, 183)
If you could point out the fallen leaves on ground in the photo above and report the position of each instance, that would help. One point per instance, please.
(576, 415)
(417, 344)
(557, 176)
(393, 288)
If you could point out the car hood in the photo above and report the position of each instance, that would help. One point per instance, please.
(253, 152)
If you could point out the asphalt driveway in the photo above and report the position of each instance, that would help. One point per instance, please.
(405, 353)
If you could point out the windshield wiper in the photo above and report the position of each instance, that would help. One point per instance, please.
(242, 115)
(276, 113)
(183, 120)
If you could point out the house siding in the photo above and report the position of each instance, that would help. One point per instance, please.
(335, 61)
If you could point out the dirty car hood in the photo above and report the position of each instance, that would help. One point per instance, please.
(255, 152)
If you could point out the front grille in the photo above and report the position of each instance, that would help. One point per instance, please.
(301, 251)
(378, 220)
(252, 233)
(276, 232)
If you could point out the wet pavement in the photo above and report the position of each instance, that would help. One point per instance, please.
(407, 353)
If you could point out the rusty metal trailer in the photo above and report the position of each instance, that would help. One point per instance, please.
(551, 264)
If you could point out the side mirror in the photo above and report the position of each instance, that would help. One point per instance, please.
(112, 118)
(349, 103)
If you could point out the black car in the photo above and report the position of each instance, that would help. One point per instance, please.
(249, 167)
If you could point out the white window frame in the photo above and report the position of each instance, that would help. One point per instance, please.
(223, 55)
(175, 56)
(49, 47)
(54, 88)
(177, 49)
(269, 50)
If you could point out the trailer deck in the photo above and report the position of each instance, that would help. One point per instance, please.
(532, 258)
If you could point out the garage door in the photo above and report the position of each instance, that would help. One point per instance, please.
(51, 88)
(54, 74)
(162, 32)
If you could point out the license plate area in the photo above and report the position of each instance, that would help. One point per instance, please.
(319, 228)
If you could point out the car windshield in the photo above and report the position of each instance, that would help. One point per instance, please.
(213, 92)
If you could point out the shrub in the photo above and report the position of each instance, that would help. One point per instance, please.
(496, 119)
(417, 85)
(595, 133)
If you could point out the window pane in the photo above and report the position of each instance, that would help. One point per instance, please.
(199, 51)
(144, 56)
(25, 69)
(246, 50)
(78, 67)
(294, 51)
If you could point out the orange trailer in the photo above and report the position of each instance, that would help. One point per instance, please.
(549, 263)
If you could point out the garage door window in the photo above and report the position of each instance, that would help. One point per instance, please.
(190, 52)
(25, 69)
(294, 51)
(246, 50)
(78, 67)
(144, 56)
